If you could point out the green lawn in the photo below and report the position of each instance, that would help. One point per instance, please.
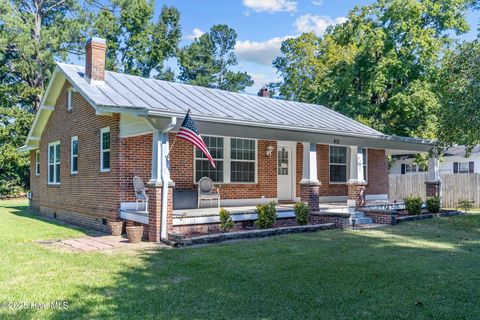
(422, 270)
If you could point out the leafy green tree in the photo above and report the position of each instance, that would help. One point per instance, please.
(137, 44)
(207, 60)
(379, 66)
(33, 34)
(459, 88)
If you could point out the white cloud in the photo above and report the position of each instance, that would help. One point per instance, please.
(262, 79)
(318, 24)
(271, 6)
(317, 2)
(262, 52)
(196, 33)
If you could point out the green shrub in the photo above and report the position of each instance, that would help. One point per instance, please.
(433, 204)
(465, 204)
(413, 205)
(226, 222)
(302, 213)
(267, 215)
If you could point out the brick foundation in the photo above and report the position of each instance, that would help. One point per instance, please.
(310, 195)
(340, 220)
(433, 188)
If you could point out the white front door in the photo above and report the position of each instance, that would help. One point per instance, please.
(284, 172)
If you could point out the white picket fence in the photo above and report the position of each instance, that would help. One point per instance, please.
(454, 187)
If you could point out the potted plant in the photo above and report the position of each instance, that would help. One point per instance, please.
(115, 227)
(134, 234)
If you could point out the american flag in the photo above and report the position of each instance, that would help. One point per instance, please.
(189, 132)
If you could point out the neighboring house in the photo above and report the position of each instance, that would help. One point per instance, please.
(453, 161)
(96, 130)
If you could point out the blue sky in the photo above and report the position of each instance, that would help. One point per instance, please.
(261, 26)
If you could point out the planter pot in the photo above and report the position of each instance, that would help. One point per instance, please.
(115, 228)
(134, 234)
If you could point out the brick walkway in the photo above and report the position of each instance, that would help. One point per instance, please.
(92, 243)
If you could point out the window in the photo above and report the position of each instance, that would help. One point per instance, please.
(69, 99)
(105, 149)
(338, 164)
(37, 162)
(235, 159)
(463, 167)
(203, 168)
(364, 152)
(242, 164)
(282, 160)
(74, 155)
(54, 163)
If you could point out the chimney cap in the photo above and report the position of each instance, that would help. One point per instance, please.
(96, 40)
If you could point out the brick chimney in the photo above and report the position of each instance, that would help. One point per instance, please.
(95, 49)
(264, 92)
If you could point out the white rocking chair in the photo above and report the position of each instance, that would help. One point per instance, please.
(206, 192)
(140, 193)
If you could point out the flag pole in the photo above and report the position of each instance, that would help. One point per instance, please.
(175, 139)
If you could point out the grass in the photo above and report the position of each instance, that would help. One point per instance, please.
(422, 270)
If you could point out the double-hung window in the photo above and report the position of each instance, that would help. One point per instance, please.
(74, 155)
(54, 163)
(203, 168)
(242, 160)
(37, 162)
(235, 160)
(105, 149)
(338, 164)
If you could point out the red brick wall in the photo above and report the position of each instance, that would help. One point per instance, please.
(89, 192)
(377, 172)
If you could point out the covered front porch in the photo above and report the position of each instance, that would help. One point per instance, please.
(331, 172)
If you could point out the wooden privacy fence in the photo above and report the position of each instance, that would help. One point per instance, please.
(454, 187)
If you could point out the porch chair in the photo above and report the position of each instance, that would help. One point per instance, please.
(140, 192)
(206, 191)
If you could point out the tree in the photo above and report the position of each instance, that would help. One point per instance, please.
(459, 88)
(207, 60)
(379, 66)
(136, 44)
(33, 33)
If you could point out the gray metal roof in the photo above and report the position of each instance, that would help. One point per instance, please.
(459, 151)
(133, 92)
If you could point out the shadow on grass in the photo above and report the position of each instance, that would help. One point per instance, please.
(24, 212)
(330, 275)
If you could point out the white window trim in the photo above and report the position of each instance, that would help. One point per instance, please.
(102, 131)
(74, 138)
(37, 162)
(365, 164)
(54, 144)
(70, 99)
(346, 164)
(227, 161)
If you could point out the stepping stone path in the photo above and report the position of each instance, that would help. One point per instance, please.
(87, 244)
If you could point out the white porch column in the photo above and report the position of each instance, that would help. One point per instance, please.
(309, 173)
(160, 161)
(356, 183)
(160, 210)
(433, 184)
(433, 165)
(356, 166)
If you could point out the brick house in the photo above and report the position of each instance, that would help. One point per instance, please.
(96, 130)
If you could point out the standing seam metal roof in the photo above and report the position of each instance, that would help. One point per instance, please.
(127, 91)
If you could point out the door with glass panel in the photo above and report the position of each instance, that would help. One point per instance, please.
(284, 172)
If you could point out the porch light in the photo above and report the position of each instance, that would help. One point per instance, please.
(269, 150)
